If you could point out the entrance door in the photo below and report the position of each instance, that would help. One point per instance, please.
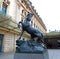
(1, 39)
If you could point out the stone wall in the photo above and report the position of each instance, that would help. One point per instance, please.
(9, 40)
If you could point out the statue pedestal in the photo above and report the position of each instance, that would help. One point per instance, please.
(30, 50)
(43, 55)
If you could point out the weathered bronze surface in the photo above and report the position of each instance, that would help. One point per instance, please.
(30, 45)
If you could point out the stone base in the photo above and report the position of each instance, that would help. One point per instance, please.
(24, 55)
(43, 55)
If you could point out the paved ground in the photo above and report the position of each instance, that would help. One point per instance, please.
(7, 56)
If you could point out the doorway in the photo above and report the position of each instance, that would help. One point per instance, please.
(1, 40)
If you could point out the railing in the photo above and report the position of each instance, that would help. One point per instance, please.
(7, 22)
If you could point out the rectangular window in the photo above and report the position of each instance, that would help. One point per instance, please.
(4, 9)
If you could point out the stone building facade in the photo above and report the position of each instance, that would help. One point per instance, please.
(11, 12)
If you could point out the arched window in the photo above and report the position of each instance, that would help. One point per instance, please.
(31, 23)
(34, 25)
(25, 13)
(22, 11)
(22, 1)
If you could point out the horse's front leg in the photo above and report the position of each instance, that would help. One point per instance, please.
(21, 34)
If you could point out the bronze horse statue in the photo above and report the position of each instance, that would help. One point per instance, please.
(30, 46)
(26, 26)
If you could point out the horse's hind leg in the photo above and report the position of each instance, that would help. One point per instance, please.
(32, 38)
(40, 40)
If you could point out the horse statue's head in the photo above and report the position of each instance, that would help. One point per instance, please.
(29, 16)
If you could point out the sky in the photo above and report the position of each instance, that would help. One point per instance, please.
(49, 11)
